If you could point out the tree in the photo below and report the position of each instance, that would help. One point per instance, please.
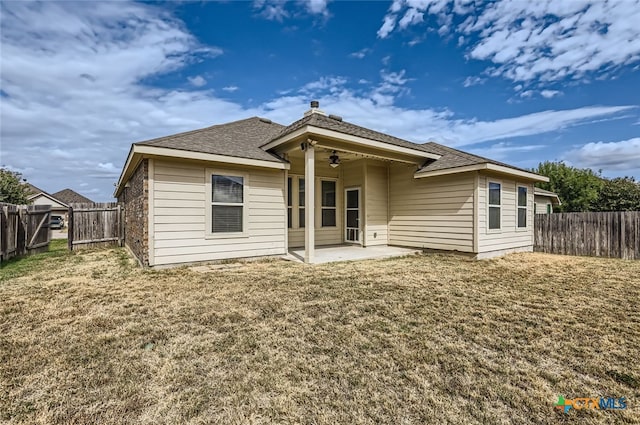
(12, 187)
(578, 188)
(619, 194)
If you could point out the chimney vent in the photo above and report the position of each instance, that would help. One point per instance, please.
(315, 109)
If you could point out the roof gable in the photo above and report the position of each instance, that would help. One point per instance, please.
(50, 200)
(453, 158)
(240, 139)
(337, 124)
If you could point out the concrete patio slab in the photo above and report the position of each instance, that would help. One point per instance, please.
(329, 254)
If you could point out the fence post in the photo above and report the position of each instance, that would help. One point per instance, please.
(120, 235)
(70, 229)
(3, 232)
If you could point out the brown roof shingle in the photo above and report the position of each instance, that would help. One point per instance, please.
(328, 123)
(240, 139)
(34, 190)
(454, 158)
(69, 196)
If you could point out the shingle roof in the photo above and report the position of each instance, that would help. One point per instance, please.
(453, 158)
(329, 123)
(245, 138)
(34, 190)
(240, 139)
(543, 192)
(69, 196)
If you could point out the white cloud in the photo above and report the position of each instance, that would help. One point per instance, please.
(502, 150)
(317, 7)
(276, 10)
(525, 41)
(273, 10)
(74, 82)
(388, 25)
(548, 94)
(197, 81)
(331, 84)
(623, 155)
(411, 17)
(360, 54)
(415, 41)
(230, 89)
(469, 132)
(473, 81)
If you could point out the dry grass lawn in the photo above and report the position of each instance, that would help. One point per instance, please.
(90, 338)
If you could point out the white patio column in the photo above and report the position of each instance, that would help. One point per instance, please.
(309, 202)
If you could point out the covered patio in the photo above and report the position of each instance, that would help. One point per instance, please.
(330, 254)
(338, 187)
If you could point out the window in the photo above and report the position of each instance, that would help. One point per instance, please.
(328, 203)
(495, 197)
(227, 203)
(549, 210)
(300, 202)
(522, 207)
(289, 203)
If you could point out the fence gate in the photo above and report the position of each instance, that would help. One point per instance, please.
(24, 229)
(95, 225)
(36, 220)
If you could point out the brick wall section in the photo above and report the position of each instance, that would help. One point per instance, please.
(135, 199)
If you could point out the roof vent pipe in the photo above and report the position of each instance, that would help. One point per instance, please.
(315, 109)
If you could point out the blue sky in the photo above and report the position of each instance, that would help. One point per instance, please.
(517, 82)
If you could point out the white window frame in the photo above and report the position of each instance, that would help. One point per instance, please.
(301, 208)
(489, 206)
(290, 200)
(525, 207)
(322, 208)
(295, 202)
(210, 172)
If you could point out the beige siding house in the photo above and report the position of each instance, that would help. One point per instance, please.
(545, 201)
(255, 188)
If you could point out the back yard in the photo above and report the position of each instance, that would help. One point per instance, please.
(90, 338)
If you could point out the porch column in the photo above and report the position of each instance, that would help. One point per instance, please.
(309, 202)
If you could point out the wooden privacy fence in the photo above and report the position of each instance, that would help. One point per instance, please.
(95, 225)
(24, 229)
(597, 234)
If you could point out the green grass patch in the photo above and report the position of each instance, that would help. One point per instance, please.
(20, 266)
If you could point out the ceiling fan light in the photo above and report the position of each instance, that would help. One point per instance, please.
(334, 160)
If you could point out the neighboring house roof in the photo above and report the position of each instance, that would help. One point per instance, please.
(69, 196)
(240, 139)
(336, 123)
(554, 196)
(33, 190)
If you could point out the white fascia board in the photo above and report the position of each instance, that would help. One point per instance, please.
(138, 151)
(210, 157)
(484, 166)
(351, 139)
